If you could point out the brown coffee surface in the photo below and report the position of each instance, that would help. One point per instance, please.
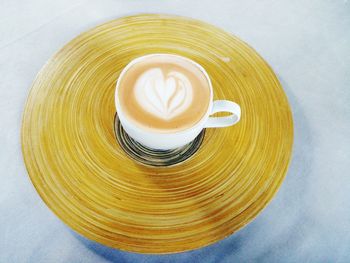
(164, 93)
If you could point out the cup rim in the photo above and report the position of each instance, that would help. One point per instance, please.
(138, 127)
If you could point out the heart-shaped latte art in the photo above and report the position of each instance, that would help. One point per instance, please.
(164, 96)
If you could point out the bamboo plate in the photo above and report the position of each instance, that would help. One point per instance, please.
(83, 175)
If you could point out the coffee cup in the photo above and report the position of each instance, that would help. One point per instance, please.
(164, 101)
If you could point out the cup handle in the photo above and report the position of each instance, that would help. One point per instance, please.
(224, 106)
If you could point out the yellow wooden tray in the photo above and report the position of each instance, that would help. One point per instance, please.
(86, 179)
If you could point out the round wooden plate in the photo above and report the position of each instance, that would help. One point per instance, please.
(86, 179)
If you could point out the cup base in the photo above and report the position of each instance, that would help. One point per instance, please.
(154, 157)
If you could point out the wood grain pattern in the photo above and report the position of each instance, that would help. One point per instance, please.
(86, 179)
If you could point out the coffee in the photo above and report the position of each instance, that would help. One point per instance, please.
(164, 93)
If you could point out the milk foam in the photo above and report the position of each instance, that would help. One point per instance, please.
(163, 95)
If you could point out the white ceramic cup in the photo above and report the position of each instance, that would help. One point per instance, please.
(171, 140)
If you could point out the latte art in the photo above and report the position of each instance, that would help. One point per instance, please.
(163, 95)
